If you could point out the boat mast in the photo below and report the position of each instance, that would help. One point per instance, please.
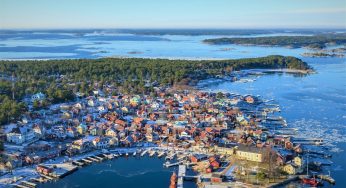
(307, 164)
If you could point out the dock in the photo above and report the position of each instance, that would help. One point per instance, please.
(168, 164)
(78, 163)
(93, 159)
(40, 180)
(108, 156)
(170, 156)
(47, 177)
(30, 184)
(181, 175)
(144, 152)
(98, 157)
(327, 178)
(160, 154)
(87, 161)
(21, 186)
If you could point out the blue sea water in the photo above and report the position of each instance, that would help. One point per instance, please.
(96, 44)
(315, 104)
(129, 172)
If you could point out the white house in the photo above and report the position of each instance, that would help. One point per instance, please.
(101, 143)
(38, 97)
(91, 103)
(20, 135)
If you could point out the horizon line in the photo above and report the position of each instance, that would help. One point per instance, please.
(182, 28)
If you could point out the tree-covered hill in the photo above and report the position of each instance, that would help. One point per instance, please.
(315, 42)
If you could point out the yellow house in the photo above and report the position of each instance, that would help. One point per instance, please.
(249, 153)
(224, 150)
(290, 169)
(295, 166)
(298, 161)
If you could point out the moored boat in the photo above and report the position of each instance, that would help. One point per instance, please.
(311, 181)
(173, 183)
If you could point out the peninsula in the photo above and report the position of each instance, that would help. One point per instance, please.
(65, 114)
(318, 41)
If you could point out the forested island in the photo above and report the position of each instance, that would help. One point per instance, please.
(61, 80)
(318, 41)
(322, 54)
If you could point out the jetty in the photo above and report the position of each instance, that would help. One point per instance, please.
(87, 161)
(170, 156)
(47, 177)
(327, 178)
(307, 141)
(78, 163)
(160, 154)
(144, 152)
(168, 164)
(40, 180)
(20, 186)
(93, 159)
(29, 184)
(108, 156)
(181, 175)
(98, 157)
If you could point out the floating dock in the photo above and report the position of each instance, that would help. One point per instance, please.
(144, 152)
(181, 175)
(87, 161)
(93, 159)
(21, 186)
(160, 154)
(40, 180)
(327, 178)
(29, 184)
(168, 164)
(78, 163)
(47, 177)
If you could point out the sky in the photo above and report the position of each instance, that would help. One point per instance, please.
(43, 14)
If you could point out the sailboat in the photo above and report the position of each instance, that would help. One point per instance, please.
(310, 181)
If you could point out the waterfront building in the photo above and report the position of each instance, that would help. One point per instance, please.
(19, 135)
(249, 153)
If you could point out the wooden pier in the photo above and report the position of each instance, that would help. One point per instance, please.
(20, 186)
(326, 178)
(181, 175)
(87, 161)
(30, 184)
(144, 152)
(168, 164)
(98, 157)
(47, 177)
(92, 159)
(40, 180)
(78, 163)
